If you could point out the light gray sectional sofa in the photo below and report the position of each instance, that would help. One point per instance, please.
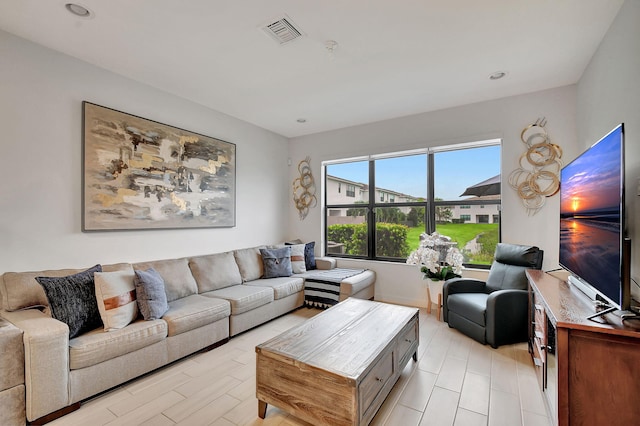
(210, 298)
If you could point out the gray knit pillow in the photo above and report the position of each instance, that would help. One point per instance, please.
(72, 300)
(150, 294)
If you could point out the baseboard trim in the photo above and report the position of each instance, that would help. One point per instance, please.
(55, 415)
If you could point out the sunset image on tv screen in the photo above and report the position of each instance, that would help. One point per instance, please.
(590, 208)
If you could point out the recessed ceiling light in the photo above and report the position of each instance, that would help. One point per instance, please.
(301, 120)
(331, 45)
(497, 75)
(78, 10)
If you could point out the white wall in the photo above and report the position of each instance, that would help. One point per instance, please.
(41, 92)
(503, 118)
(609, 94)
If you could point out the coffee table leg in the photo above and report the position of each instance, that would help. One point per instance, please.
(262, 409)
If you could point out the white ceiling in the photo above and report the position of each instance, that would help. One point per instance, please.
(395, 57)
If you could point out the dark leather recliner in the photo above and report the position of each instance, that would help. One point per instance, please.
(495, 311)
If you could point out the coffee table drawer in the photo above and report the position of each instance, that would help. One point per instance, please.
(407, 342)
(373, 382)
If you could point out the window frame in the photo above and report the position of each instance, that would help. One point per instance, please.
(429, 204)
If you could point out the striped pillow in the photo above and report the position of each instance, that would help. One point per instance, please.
(297, 259)
(116, 296)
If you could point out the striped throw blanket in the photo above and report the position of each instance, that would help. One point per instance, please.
(322, 288)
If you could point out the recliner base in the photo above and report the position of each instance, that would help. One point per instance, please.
(471, 329)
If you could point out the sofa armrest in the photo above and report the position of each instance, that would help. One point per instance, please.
(507, 321)
(356, 283)
(46, 359)
(326, 262)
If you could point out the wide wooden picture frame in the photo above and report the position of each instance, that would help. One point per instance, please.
(141, 174)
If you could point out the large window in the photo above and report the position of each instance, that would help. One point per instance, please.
(453, 190)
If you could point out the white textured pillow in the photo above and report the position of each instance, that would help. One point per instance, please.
(116, 296)
(297, 259)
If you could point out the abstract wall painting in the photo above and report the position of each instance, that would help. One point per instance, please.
(141, 174)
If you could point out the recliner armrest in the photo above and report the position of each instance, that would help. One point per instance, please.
(507, 321)
(463, 285)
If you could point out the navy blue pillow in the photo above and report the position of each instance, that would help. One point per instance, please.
(72, 300)
(310, 256)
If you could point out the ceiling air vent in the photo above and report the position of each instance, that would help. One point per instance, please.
(283, 30)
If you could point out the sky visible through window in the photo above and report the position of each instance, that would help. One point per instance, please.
(454, 172)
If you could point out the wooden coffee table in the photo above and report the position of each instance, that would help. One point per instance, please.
(338, 367)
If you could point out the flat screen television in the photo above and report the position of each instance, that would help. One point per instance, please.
(593, 244)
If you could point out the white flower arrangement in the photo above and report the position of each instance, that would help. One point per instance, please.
(430, 255)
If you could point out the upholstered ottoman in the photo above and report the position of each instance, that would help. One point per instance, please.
(12, 375)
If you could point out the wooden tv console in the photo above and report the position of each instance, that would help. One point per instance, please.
(589, 372)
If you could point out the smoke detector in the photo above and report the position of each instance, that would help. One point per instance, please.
(283, 30)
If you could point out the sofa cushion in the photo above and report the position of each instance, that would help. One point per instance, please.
(116, 297)
(178, 280)
(97, 346)
(243, 298)
(250, 263)
(215, 271)
(20, 290)
(150, 294)
(282, 286)
(276, 261)
(72, 300)
(194, 311)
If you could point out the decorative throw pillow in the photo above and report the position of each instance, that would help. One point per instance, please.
(150, 295)
(116, 296)
(310, 256)
(72, 300)
(277, 262)
(297, 259)
(309, 253)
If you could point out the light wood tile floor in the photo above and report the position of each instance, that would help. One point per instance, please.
(456, 381)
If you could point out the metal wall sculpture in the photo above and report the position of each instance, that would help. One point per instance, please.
(537, 177)
(304, 189)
